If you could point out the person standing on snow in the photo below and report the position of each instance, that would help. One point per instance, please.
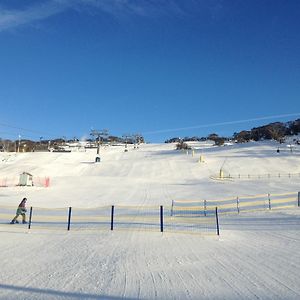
(20, 211)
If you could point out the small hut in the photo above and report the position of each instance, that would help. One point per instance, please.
(26, 179)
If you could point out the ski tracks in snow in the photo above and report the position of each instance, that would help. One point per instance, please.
(258, 270)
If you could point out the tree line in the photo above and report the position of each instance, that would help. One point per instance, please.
(27, 145)
(272, 131)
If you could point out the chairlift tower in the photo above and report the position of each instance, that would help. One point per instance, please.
(126, 136)
(99, 135)
(137, 139)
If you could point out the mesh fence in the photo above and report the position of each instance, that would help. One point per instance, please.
(286, 200)
(91, 218)
(38, 181)
(49, 218)
(181, 216)
(9, 181)
(41, 181)
(141, 218)
(236, 205)
(263, 176)
(7, 213)
(190, 219)
(137, 218)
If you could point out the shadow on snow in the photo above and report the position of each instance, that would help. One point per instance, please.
(56, 294)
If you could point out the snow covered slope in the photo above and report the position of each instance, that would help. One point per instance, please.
(256, 255)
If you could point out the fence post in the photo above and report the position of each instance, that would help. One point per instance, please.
(269, 198)
(298, 199)
(217, 221)
(237, 204)
(204, 208)
(30, 216)
(161, 218)
(172, 208)
(112, 217)
(69, 218)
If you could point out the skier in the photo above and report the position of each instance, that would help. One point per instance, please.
(20, 211)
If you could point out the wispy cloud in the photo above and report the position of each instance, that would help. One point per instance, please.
(143, 8)
(11, 18)
(274, 117)
(154, 8)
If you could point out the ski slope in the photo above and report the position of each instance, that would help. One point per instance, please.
(256, 256)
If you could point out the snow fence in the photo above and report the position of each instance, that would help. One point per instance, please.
(228, 175)
(140, 218)
(236, 204)
(38, 181)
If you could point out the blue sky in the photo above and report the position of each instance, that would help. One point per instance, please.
(162, 68)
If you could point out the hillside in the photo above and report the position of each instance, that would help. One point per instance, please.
(153, 174)
(255, 256)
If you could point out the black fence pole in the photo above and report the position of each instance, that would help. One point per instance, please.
(30, 216)
(217, 221)
(69, 217)
(161, 218)
(112, 217)
(269, 198)
(298, 199)
(172, 208)
(204, 208)
(237, 204)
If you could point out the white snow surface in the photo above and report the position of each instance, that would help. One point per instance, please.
(256, 256)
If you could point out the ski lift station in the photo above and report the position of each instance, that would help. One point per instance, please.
(25, 179)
